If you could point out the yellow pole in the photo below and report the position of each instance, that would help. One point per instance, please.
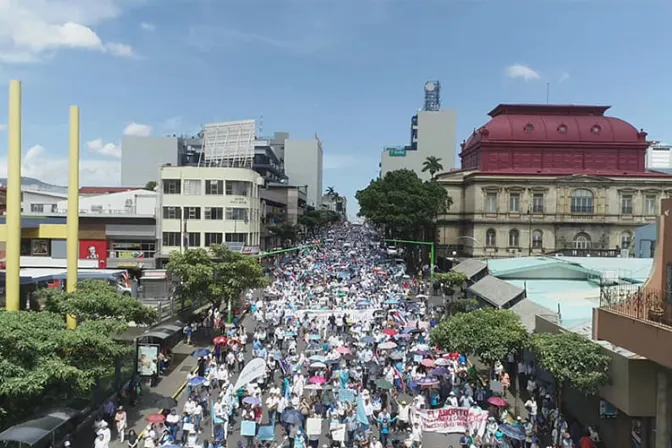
(73, 207)
(13, 244)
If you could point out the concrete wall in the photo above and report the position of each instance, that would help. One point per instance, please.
(135, 202)
(303, 166)
(141, 158)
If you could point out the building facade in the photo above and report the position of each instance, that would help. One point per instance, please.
(659, 156)
(338, 205)
(303, 166)
(202, 206)
(433, 134)
(542, 179)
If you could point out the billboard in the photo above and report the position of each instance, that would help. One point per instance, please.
(229, 144)
(148, 360)
(94, 250)
(396, 151)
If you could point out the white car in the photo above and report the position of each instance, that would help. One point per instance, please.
(391, 250)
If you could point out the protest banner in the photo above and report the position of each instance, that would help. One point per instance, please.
(452, 419)
(313, 426)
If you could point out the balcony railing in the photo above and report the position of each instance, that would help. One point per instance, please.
(97, 212)
(638, 302)
(586, 252)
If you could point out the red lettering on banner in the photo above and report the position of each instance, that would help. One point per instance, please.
(453, 419)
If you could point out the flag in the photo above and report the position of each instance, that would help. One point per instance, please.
(361, 412)
(400, 318)
(398, 374)
(125, 280)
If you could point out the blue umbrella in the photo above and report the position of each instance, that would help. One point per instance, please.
(292, 417)
(200, 353)
(391, 302)
(511, 431)
(368, 339)
(196, 381)
(251, 400)
(318, 358)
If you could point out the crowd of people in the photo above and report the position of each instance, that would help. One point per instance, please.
(342, 357)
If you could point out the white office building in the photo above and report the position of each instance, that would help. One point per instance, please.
(202, 206)
(303, 166)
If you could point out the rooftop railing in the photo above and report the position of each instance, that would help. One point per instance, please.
(638, 302)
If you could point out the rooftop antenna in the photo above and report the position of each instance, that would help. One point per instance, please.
(548, 92)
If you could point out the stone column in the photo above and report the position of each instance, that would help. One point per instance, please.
(663, 435)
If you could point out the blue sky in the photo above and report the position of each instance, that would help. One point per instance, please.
(350, 70)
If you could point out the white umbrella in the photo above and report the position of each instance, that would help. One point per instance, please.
(312, 387)
(442, 362)
(387, 345)
(318, 365)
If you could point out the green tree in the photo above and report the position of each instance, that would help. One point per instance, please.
(315, 220)
(403, 203)
(214, 275)
(285, 231)
(151, 185)
(491, 334)
(432, 164)
(42, 363)
(573, 360)
(96, 300)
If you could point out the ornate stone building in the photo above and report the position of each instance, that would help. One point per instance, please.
(542, 179)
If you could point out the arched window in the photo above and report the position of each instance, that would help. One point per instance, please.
(491, 238)
(537, 239)
(582, 201)
(514, 238)
(582, 241)
(626, 240)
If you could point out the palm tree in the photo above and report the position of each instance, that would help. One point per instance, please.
(331, 192)
(432, 164)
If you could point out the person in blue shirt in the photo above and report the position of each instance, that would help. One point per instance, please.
(384, 427)
(466, 440)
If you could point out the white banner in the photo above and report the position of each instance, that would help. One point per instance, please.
(453, 419)
(253, 370)
(357, 315)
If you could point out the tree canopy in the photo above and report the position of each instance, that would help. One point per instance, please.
(285, 231)
(402, 202)
(151, 185)
(97, 299)
(215, 274)
(432, 164)
(315, 220)
(572, 359)
(491, 334)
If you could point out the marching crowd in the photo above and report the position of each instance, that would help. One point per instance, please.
(337, 353)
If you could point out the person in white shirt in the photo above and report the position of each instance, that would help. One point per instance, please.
(272, 403)
(452, 399)
(100, 440)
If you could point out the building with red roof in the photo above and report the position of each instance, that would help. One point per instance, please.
(543, 179)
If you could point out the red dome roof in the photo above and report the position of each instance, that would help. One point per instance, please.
(552, 123)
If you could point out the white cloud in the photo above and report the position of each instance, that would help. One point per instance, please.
(563, 77)
(338, 161)
(520, 71)
(39, 163)
(138, 130)
(31, 29)
(107, 149)
(147, 26)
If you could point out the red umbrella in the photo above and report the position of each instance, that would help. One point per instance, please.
(220, 340)
(317, 380)
(343, 350)
(497, 401)
(156, 418)
(427, 363)
(390, 332)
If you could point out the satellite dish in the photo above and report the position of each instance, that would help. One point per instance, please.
(429, 87)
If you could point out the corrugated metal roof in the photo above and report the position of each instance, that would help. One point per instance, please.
(470, 267)
(495, 291)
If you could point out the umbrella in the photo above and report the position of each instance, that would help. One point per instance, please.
(315, 337)
(156, 418)
(317, 380)
(497, 401)
(318, 358)
(368, 339)
(220, 340)
(428, 381)
(196, 381)
(427, 363)
(165, 403)
(512, 432)
(442, 362)
(391, 302)
(313, 387)
(200, 353)
(402, 336)
(318, 365)
(292, 417)
(332, 361)
(390, 331)
(382, 383)
(439, 371)
(251, 400)
(396, 356)
(387, 345)
(343, 350)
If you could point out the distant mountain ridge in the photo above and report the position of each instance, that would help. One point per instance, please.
(37, 184)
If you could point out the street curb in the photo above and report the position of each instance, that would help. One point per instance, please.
(180, 389)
